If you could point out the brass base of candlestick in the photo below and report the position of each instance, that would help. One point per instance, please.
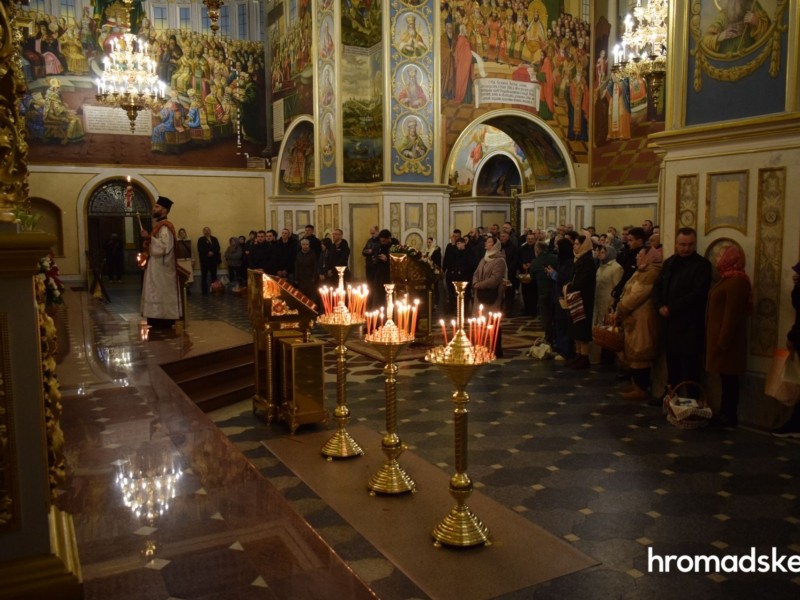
(461, 528)
(391, 478)
(341, 445)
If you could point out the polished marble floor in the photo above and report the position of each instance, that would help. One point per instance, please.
(557, 446)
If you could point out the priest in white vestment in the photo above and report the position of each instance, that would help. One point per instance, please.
(161, 295)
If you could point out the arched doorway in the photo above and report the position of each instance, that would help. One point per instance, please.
(116, 207)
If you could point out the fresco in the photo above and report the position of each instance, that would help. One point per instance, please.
(499, 176)
(537, 159)
(411, 79)
(214, 112)
(738, 55)
(362, 92)
(327, 98)
(625, 111)
(527, 55)
(296, 171)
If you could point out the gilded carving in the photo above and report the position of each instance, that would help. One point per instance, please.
(767, 273)
(13, 145)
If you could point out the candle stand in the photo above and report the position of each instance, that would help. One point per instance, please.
(459, 360)
(390, 340)
(340, 322)
(341, 444)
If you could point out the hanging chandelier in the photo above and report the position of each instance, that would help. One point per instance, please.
(213, 7)
(129, 80)
(643, 50)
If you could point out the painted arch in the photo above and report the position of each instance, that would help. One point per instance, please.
(540, 154)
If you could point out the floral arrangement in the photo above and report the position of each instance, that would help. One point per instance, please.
(48, 274)
(432, 270)
(26, 219)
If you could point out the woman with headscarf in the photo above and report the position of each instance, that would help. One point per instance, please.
(488, 283)
(639, 318)
(729, 302)
(609, 274)
(584, 277)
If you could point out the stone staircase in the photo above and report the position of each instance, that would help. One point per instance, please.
(216, 379)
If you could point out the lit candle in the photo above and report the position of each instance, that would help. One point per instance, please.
(444, 331)
(414, 317)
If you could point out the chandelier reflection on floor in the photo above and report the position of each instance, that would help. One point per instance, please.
(129, 80)
(148, 493)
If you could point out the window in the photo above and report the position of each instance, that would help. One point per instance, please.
(68, 9)
(37, 6)
(585, 11)
(224, 21)
(241, 20)
(184, 17)
(262, 22)
(160, 21)
(205, 23)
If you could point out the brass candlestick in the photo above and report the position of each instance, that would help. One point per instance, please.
(391, 478)
(390, 341)
(340, 323)
(459, 360)
(341, 444)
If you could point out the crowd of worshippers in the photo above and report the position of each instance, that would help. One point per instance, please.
(305, 261)
(666, 308)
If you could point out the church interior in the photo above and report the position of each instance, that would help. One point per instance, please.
(143, 464)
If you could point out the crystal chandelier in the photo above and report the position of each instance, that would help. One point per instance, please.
(643, 50)
(129, 79)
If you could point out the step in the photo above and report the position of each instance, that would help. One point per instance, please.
(194, 384)
(224, 394)
(213, 370)
(218, 361)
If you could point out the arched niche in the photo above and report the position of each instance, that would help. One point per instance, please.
(543, 159)
(295, 175)
(50, 221)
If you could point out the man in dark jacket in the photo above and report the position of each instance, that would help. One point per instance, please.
(208, 251)
(340, 256)
(285, 250)
(627, 258)
(680, 296)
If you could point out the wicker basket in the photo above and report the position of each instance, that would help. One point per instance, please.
(684, 412)
(609, 337)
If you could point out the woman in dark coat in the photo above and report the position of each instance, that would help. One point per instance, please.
(562, 275)
(729, 302)
(583, 281)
